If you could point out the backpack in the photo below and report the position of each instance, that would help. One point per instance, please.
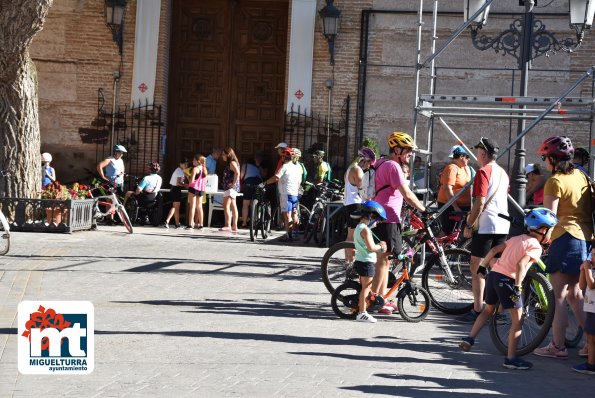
(373, 191)
(591, 184)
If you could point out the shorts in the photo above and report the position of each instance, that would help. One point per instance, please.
(145, 198)
(482, 243)
(448, 224)
(391, 234)
(589, 323)
(566, 254)
(364, 268)
(195, 192)
(348, 211)
(175, 193)
(230, 193)
(499, 288)
(288, 203)
(249, 188)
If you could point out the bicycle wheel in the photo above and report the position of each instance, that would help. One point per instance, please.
(265, 219)
(304, 216)
(4, 235)
(413, 302)
(254, 219)
(454, 296)
(124, 218)
(312, 221)
(335, 270)
(344, 300)
(537, 316)
(320, 228)
(574, 331)
(132, 209)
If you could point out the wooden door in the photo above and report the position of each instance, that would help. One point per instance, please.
(227, 76)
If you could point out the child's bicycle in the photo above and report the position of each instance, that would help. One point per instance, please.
(538, 313)
(413, 301)
(111, 204)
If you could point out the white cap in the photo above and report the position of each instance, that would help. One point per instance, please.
(281, 145)
(529, 168)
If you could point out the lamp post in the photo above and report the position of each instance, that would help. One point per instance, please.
(330, 17)
(114, 18)
(527, 39)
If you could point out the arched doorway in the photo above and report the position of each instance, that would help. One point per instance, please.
(227, 76)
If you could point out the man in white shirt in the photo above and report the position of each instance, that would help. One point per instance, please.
(289, 179)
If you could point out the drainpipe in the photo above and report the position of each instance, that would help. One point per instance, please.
(116, 80)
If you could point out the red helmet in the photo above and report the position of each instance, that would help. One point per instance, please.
(559, 147)
(287, 153)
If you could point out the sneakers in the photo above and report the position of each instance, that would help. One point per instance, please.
(178, 226)
(517, 364)
(584, 368)
(225, 229)
(466, 343)
(584, 352)
(551, 351)
(365, 317)
(386, 309)
(469, 317)
(165, 225)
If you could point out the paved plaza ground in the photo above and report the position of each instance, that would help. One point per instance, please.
(206, 314)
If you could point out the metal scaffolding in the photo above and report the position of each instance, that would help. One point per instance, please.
(559, 107)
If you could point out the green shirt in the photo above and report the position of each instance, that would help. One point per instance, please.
(361, 250)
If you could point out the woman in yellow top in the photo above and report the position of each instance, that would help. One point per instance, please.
(453, 178)
(567, 194)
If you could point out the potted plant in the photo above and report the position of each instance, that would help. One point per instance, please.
(55, 212)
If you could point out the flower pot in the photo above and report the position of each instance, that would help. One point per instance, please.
(55, 215)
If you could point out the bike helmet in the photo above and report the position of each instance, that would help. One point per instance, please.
(119, 148)
(559, 147)
(46, 157)
(287, 153)
(154, 167)
(371, 207)
(457, 151)
(297, 153)
(401, 140)
(319, 154)
(540, 217)
(368, 154)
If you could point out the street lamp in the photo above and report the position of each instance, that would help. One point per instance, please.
(330, 17)
(527, 39)
(114, 18)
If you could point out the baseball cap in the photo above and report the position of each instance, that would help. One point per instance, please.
(281, 145)
(456, 151)
(529, 168)
(490, 146)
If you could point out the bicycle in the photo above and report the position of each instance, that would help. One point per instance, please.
(4, 227)
(260, 214)
(316, 226)
(112, 205)
(445, 276)
(413, 301)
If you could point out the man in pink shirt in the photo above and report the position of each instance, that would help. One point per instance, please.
(391, 189)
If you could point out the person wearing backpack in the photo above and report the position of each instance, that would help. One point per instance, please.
(567, 193)
(391, 190)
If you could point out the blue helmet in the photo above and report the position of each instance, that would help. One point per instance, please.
(457, 151)
(371, 207)
(540, 217)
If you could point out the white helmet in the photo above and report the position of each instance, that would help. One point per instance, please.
(46, 157)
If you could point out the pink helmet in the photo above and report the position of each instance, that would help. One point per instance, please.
(559, 147)
(368, 154)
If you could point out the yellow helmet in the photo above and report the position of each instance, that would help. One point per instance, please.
(401, 140)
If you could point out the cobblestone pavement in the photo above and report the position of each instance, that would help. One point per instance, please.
(205, 314)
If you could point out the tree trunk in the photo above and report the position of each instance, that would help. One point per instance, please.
(19, 124)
